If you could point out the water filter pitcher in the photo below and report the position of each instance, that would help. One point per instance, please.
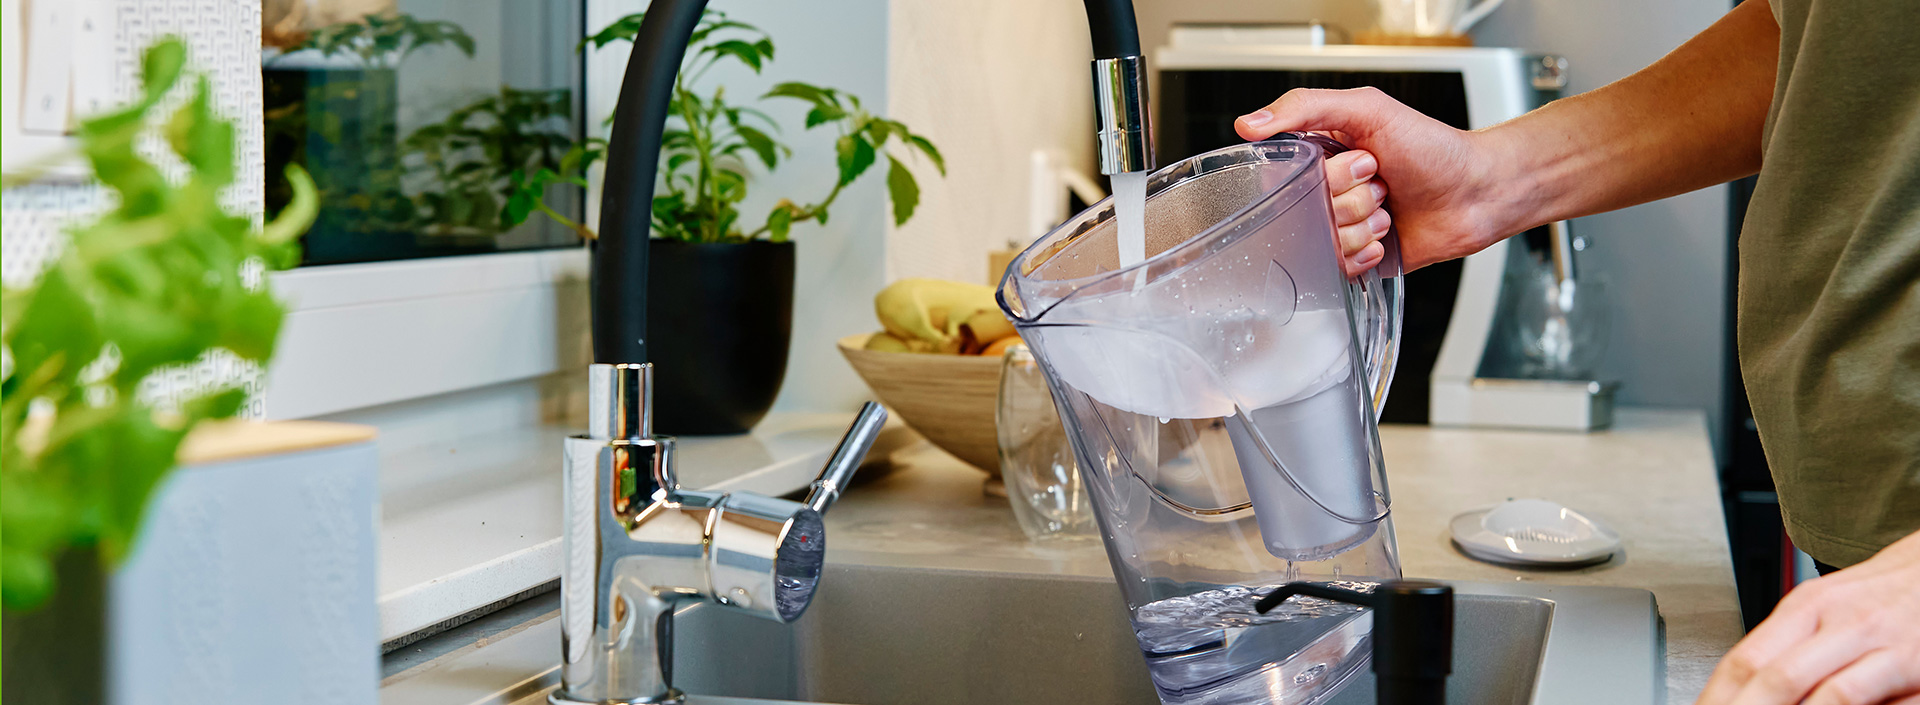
(1221, 395)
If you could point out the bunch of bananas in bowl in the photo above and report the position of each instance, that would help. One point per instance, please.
(940, 317)
(936, 363)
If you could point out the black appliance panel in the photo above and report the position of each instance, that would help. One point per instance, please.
(1196, 113)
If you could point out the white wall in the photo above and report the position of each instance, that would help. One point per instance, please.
(989, 81)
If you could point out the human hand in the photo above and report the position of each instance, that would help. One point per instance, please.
(1442, 180)
(1850, 638)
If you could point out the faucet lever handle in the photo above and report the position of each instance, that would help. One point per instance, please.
(846, 458)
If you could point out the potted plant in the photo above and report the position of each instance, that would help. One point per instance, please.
(163, 279)
(331, 105)
(720, 287)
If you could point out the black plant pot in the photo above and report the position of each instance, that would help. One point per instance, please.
(719, 317)
(57, 653)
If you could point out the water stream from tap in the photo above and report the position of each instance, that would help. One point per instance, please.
(1130, 208)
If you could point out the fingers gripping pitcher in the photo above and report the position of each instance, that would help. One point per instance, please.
(1221, 395)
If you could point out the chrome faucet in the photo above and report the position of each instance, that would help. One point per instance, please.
(637, 546)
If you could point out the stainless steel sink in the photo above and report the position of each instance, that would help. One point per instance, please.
(877, 635)
(881, 635)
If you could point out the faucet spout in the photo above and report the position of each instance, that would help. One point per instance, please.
(1124, 135)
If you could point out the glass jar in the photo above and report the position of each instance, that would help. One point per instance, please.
(1043, 481)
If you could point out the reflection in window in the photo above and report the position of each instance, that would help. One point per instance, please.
(416, 117)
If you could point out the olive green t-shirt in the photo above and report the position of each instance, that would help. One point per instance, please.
(1829, 302)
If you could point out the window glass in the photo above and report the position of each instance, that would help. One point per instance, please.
(420, 119)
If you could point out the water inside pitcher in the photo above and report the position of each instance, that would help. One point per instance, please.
(1221, 397)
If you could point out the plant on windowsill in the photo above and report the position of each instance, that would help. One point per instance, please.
(164, 278)
(722, 289)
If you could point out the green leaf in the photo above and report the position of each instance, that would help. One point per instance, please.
(463, 41)
(732, 185)
(219, 405)
(714, 22)
(253, 325)
(747, 53)
(299, 214)
(780, 222)
(144, 454)
(521, 204)
(201, 138)
(902, 190)
(762, 117)
(878, 131)
(822, 114)
(59, 326)
(622, 29)
(761, 144)
(160, 68)
(675, 161)
(855, 155)
(802, 91)
(927, 148)
(29, 578)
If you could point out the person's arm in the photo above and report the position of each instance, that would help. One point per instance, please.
(1692, 119)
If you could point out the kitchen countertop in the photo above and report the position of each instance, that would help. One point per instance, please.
(1651, 477)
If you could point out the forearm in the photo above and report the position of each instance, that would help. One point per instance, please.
(1691, 120)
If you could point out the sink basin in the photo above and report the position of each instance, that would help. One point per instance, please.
(879, 634)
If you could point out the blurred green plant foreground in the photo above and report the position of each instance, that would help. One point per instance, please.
(162, 279)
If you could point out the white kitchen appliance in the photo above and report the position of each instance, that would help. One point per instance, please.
(1459, 365)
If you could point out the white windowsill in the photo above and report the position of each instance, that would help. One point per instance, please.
(362, 335)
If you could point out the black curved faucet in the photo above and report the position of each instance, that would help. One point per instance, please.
(633, 152)
(635, 545)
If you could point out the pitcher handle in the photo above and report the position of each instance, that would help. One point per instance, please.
(1380, 290)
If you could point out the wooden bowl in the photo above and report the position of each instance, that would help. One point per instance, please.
(950, 399)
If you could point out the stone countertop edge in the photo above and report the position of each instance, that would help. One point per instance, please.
(1651, 476)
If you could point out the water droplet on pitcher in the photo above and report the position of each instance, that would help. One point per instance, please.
(1310, 675)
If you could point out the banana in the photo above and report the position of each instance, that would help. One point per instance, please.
(989, 326)
(929, 314)
(885, 342)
